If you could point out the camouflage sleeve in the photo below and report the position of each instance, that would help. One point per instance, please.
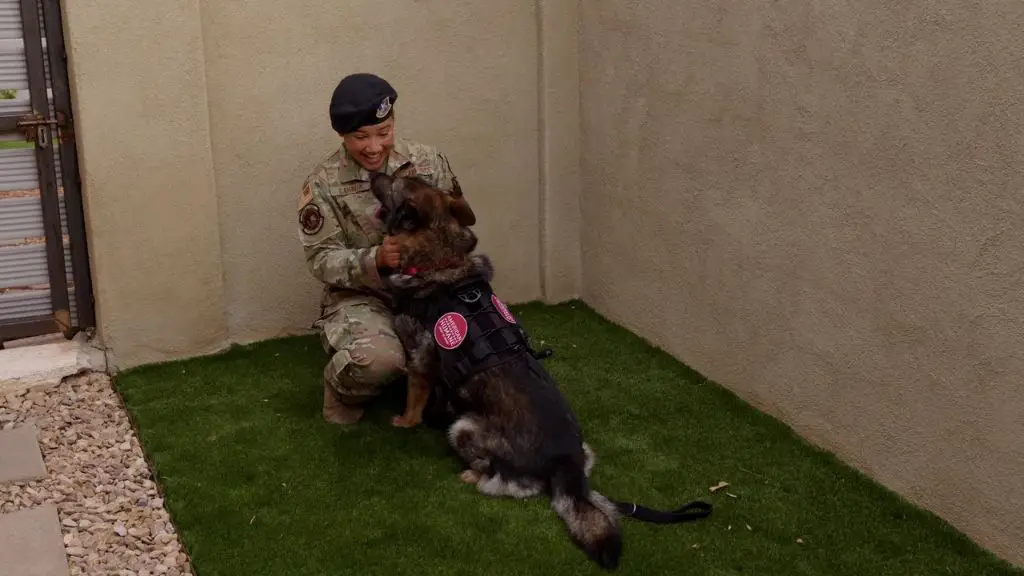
(446, 179)
(328, 258)
(434, 167)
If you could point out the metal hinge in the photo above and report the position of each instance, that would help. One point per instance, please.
(35, 126)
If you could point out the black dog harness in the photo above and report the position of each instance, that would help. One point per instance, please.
(472, 328)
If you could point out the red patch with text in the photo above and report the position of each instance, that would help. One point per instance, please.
(502, 309)
(450, 330)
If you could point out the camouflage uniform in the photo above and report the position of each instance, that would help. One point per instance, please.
(340, 234)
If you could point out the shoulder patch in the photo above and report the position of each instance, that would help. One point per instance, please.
(306, 196)
(311, 218)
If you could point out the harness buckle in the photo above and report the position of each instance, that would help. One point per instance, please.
(470, 296)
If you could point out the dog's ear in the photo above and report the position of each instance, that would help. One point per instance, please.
(393, 195)
(460, 210)
(382, 186)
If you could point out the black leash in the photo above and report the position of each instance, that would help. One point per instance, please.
(541, 354)
(695, 510)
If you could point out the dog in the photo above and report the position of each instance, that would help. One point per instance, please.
(511, 426)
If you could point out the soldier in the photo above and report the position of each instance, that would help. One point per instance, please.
(345, 248)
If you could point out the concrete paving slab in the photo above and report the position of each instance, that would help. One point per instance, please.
(35, 340)
(20, 457)
(31, 543)
(46, 364)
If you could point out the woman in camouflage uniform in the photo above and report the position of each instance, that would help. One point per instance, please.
(344, 246)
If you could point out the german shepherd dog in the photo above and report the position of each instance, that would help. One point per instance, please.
(512, 427)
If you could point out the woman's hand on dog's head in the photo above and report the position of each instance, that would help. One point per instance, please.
(389, 253)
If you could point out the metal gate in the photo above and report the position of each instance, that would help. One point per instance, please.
(44, 267)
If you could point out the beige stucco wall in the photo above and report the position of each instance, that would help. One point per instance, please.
(467, 82)
(147, 177)
(819, 205)
(193, 157)
(561, 217)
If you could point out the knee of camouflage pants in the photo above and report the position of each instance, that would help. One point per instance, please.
(365, 352)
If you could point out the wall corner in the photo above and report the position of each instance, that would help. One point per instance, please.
(559, 150)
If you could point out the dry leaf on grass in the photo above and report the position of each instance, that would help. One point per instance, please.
(719, 486)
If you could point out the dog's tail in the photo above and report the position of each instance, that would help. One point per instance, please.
(591, 519)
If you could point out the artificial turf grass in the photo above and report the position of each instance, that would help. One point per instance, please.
(257, 483)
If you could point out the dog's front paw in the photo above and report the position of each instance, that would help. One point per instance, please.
(470, 476)
(402, 421)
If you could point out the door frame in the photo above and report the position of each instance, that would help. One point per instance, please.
(46, 131)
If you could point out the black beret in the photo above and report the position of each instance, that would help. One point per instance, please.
(361, 100)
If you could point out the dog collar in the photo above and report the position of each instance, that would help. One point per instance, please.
(414, 270)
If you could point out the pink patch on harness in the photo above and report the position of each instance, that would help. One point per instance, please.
(502, 309)
(450, 330)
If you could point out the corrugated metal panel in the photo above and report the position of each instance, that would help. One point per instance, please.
(23, 265)
(12, 46)
(13, 71)
(10, 19)
(18, 166)
(21, 305)
(20, 219)
(24, 274)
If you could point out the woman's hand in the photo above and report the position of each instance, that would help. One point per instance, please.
(389, 252)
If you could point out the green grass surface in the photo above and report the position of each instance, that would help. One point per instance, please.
(259, 485)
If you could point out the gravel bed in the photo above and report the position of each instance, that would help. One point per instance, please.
(112, 517)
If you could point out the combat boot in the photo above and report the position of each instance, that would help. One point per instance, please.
(339, 409)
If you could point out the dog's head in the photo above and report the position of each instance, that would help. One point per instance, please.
(397, 208)
(428, 222)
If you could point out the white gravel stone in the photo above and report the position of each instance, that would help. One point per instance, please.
(112, 517)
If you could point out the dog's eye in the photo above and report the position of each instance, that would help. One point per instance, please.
(410, 220)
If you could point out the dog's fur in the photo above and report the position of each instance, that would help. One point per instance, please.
(513, 428)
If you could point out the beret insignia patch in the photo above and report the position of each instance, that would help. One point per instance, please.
(384, 108)
(311, 219)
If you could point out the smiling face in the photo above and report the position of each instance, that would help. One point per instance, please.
(370, 145)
